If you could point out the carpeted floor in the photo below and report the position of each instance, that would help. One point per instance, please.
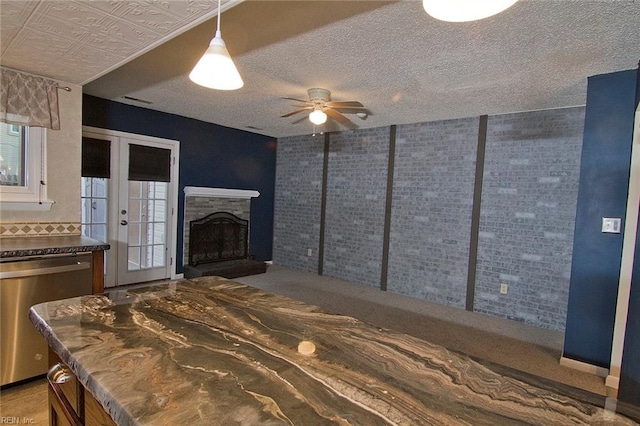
(521, 347)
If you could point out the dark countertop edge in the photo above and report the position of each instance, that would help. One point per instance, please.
(52, 250)
(108, 403)
(39, 246)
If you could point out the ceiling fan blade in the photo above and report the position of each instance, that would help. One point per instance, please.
(299, 100)
(346, 104)
(350, 110)
(296, 112)
(301, 119)
(337, 116)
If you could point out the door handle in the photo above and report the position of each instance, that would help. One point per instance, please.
(124, 222)
(58, 374)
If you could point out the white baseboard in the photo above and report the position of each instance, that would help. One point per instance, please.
(583, 366)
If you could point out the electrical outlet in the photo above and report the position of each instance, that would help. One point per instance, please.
(611, 225)
(504, 288)
(309, 252)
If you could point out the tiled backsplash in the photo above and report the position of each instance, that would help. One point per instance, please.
(41, 229)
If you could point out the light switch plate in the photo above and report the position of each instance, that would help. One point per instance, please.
(611, 225)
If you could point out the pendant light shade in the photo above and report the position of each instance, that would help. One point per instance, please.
(317, 117)
(216, 69)
(465, 10)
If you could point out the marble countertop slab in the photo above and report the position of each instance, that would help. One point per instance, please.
(40, 246)
(210, 351)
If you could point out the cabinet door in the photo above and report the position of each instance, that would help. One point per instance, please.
(66, 402)
(58, 415)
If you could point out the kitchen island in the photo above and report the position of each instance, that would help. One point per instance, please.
(212, 351)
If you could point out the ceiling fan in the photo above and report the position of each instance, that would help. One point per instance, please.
(321, 106)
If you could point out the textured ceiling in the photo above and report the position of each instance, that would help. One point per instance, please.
(78, 41)
(403, 65)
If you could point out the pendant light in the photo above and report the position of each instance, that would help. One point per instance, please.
(215, 69)
(465, 10)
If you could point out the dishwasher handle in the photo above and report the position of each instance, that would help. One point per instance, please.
(78, 266)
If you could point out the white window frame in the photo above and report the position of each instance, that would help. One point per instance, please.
(32, 197)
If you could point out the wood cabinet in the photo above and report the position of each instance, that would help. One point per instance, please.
(98, 271)
(70, 404)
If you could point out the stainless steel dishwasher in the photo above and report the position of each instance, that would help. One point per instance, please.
(25, 282)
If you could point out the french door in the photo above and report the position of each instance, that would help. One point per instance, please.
(134, 207)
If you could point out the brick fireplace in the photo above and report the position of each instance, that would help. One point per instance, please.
(201, 202)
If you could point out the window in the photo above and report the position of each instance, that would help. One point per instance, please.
(23, 168)
(13, 145)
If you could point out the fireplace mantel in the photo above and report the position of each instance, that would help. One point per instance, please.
(199, 191)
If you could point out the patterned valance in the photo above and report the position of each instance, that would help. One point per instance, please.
(27, 100)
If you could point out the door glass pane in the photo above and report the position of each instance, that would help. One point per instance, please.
(158, 233)
(144, 189)
(99, 187)
(159, 211)
(161, 190)
(134, 234)
(86, 188)
(135, 210)
(94, 208)
(145, 257)
(134, 190)
(99, 232)
(147, 223)
(86, 212)
(99, 207)
(158, 255)
(134, 259)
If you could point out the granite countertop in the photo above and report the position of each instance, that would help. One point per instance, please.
(211, 351)
(39, 246)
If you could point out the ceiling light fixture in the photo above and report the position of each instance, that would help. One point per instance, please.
(465, 10)
(215, 69)
(317, 116)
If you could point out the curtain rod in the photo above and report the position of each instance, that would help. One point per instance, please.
(58, 86)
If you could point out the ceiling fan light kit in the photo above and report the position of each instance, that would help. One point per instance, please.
(317, 117)
(465, 10)
(216, 69)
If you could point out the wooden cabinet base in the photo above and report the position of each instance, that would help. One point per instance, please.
(94, 414)
(70, 404)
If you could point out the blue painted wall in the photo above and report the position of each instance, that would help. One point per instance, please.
(604, 182)
(210, 155)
